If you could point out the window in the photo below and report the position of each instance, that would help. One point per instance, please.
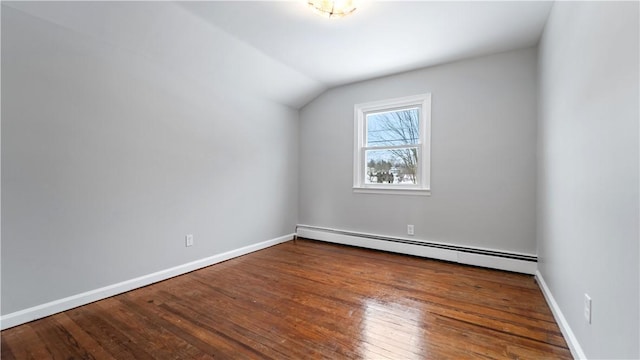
(392, 146)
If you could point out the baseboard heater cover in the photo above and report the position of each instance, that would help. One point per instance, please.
(501, 260)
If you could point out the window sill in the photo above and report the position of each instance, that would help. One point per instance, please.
(392, 191)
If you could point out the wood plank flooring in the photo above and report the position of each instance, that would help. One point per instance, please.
(308, 300)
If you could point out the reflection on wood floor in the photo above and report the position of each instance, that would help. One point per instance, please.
(305, 300)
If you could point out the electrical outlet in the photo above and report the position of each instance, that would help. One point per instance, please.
(188, 240)
(409, 229)
(587, 308)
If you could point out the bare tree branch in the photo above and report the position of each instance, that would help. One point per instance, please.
(399, 128)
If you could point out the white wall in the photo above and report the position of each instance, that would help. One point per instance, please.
(588, 172)
(483, 156)
(109, 158)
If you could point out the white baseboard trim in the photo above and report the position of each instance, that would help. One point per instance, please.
(56, 306)
(569, 336)
(501, 260)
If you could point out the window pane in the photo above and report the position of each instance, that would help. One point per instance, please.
(400, 127)
(392, 166)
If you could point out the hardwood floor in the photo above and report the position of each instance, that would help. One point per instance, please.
(308, 300)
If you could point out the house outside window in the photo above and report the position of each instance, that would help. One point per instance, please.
(392, 149)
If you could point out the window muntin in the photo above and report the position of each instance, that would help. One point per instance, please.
(392, 145)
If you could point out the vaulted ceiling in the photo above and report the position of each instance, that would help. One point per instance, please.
(281, 51)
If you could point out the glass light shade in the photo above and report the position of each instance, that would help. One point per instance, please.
(332, 8)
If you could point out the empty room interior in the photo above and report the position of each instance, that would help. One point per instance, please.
(320, 179)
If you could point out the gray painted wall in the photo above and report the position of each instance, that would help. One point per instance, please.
(109, 159)
(588, 171)
(483, 156)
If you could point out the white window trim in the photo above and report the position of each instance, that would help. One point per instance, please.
(424, 147)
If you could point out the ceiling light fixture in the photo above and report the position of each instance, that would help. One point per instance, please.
(332, 8)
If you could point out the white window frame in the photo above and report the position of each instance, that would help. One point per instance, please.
(423, 172)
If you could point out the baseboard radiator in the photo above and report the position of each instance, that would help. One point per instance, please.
(495, 259)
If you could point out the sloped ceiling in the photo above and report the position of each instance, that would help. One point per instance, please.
(380, 38)
(282, 52)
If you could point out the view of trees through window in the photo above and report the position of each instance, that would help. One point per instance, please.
(392, 142)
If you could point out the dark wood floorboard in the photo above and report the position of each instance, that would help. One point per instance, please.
(308, 300)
